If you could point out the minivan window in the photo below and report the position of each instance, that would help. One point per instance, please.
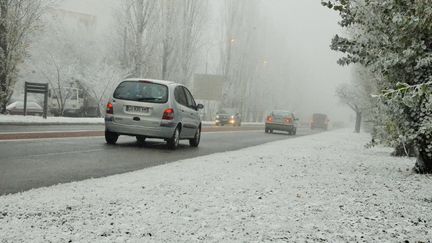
(282, 113)
(142, 92)
(319, 117)
(190, 99)
(180, 96)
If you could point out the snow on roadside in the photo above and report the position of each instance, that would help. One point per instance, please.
(38, 120)
(319, 187)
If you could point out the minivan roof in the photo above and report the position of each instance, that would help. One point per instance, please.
(165, 82)
(280, 111)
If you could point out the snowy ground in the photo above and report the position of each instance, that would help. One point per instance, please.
(324, 187)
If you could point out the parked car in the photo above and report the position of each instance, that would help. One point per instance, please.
(153, 109)
(319, 121)
(228, 116)
(281, 121)
(17, 108)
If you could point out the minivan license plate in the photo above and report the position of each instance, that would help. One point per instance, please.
(137, 109)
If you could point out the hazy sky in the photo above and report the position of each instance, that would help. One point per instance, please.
(304, 27)
(307, 28)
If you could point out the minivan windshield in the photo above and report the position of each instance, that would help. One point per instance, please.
(142, 91)
(281, 113)
(229, 111)
(319, 117)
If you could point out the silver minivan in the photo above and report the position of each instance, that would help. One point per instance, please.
(148, 108)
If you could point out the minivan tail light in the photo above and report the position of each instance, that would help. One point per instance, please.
(288, 120)
(168, 114)
(110, 108)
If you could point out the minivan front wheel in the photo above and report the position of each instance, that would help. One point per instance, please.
(196, 140)
(141, 139)
(111, 137)
(174, 141)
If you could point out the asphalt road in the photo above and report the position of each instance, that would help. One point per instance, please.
(44, 128)
(27, 164)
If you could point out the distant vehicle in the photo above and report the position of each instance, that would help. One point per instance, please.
(228, 116)
(17, 108)
(281, 121)
(153, 109)
(319, 121)
(78, 102)
(73, 101)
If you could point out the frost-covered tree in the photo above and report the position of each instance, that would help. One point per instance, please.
(136, 28)
(181, 25)
(18, 19)
(65, 52)
(394, 40)
(349, 95)
(357, 95)
(160, 39)
(241, 53)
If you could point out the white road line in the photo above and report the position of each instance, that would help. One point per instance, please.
(98, 137)
(66, 152)
(42, 132)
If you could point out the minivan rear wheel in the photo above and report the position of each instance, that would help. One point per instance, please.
(174, 141)
(111, 137)
(141, 139)
(196, 140)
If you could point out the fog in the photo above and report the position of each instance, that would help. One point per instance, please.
(307, 28)
(299, 66)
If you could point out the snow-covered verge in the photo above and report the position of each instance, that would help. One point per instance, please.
(38, 120)
(315, 188)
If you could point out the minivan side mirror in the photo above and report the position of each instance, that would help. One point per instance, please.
(200, 107)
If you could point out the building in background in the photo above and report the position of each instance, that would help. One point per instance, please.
(207, 89)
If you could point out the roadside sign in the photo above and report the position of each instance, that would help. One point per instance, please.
(208, 87)
(38, 88)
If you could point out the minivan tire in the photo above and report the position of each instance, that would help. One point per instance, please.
(111, 137)
(194, 142)
(174, 141)
(141, 139)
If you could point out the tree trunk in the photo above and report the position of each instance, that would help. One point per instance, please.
(3, 49)
(423, 164)
(404, 150)
(164, 61)
(3, 108)
(358, 121)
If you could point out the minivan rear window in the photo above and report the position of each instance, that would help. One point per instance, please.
(142, 92)
(319, 117)
(282, 113)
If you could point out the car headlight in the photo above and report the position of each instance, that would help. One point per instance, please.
(217, 116)
(232, 117)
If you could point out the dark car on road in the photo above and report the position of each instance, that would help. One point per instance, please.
(319, 121)
(281, 121)
(228, 117)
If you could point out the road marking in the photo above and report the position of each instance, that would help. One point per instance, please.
(66, 152)
(101, 136)
(42, 132)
